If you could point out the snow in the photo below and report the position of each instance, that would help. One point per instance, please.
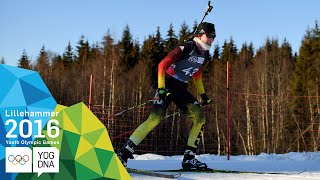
(304, 165)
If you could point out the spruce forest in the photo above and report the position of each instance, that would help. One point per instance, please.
(274, 93)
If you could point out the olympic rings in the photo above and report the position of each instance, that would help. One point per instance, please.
(18, 159)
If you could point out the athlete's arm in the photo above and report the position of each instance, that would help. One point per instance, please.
(197, 79)
(171, 58)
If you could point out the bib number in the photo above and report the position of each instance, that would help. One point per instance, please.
(190, 71)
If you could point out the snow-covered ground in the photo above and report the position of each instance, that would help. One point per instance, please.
(304, 165)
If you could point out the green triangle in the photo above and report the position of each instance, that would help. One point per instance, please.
(52, 175)
(68, 151)
(65, 151)
(113, 170)
(59, 118)
(66, 170)
(93, 136)
(73, 141)
(44, 176)
(104, 158)
(68, 124)
(90, 160)
(24, 176)
(75, 114)
(84, 173)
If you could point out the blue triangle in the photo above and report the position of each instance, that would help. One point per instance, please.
(14, 97)
(2, 136)
(18, 72)
(2, 150)
(32, 94)
(36, 81)
(48, 103)
(7, 81)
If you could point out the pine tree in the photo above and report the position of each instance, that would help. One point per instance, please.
(58, 77)
(128, 55)
(68, 56)
(229, 52)
(307, 67)
(306, 82)
(135, 53)
(171, 41)
(43, 65)
(184, 33)
(195, 26)
(246, 54)
(158, 56)
(83, 50)
(148, 55)
(24, 61)
(159, 43)
(216, 53)
(82, 60)
(2, 61)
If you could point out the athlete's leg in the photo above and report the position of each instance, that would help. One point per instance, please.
(153, 120)
(158, 109)
(195, 114)
(189, 104)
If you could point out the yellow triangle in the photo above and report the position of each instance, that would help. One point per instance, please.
(89, 121)
(68, 125)
(104, 141)
(116, 170)
(59, 108)
(57, 114)
(83, 147)
(122, 170)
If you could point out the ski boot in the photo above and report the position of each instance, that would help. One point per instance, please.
(126, 152)
(189, 162)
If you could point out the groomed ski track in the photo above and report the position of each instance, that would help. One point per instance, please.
(293, 165)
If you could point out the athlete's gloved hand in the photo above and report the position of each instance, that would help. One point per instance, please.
(163, 93)
(205, 99)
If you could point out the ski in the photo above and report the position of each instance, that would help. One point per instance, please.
(153, 173)
(210, 170)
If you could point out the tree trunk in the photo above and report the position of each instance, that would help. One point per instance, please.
(218, 130)
(111, 91)
(249, 127)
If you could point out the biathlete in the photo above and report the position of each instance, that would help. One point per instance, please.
(182, 64)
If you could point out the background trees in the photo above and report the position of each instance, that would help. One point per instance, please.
(2, 60)
(24, 61)
(275, 104)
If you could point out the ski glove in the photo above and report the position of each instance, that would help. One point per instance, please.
(205, 99)
(163, 93)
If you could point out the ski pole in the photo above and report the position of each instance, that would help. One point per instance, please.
(177, 113)
(173, 114)
(131, 108)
